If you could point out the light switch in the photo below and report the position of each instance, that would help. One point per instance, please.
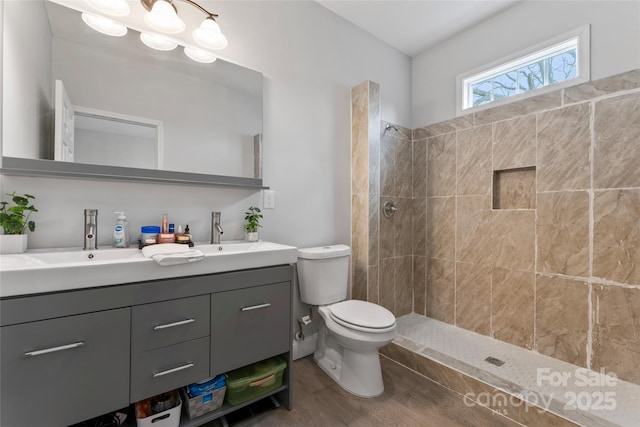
(269, 199)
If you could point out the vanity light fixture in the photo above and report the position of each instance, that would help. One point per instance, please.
(104, 25)
(162, 16)
(110, 7)
(200, 55)
(157, 42)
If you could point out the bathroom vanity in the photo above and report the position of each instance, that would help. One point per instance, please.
(72, 354)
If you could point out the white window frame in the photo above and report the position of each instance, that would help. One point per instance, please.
(518, 59)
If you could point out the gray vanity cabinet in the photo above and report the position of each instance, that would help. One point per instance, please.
(247, 325)
(48, 366)
(73, 355)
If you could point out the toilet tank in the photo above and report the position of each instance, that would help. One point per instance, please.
(323, 274)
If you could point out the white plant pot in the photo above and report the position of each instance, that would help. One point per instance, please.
(13, 243)
(252, 237)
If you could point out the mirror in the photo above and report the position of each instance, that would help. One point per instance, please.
(199, 118)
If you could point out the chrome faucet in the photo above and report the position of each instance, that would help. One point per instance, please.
(216, 228)
(90, 229)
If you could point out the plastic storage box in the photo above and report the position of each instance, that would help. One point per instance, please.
(254, 380)
(200, 405)
(162, 410)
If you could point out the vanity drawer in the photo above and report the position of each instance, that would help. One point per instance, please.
(62, 371)
(248, 325)
(156, 371)
(169, 322)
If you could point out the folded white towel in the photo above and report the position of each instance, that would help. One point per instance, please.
(172, 253)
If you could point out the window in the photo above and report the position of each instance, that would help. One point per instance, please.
(561, 62)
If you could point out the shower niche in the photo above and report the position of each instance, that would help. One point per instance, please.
(514, 188)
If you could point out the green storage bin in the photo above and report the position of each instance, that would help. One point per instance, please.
(254, 380)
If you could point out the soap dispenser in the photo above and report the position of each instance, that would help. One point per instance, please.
(121, 231)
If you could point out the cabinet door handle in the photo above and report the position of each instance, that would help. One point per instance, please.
(255, 307)
(54, 349)
(171, 371)
(171, 325)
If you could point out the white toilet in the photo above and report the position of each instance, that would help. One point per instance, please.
(351, 331)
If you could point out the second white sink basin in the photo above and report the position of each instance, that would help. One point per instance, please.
(37, 271)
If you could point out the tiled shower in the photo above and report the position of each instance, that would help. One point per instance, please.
(520, 222)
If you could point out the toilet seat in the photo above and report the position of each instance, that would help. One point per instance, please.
(362, 316)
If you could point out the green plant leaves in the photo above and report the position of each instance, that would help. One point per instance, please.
(15, 219)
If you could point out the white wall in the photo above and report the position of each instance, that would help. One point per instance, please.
(310, 59)
(615, 47)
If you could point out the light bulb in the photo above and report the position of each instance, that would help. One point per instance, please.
(104, 25)
(157, 42)
(200, 55)
(110, 7)
(164, 18)
(209, 35)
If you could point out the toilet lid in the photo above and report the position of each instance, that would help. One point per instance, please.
(363, 314)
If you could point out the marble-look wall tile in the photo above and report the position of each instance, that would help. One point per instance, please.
(514, 143)
(562, 318)
(374, 161)
(441, 165)
(519, 108)
(374, 228)
(403, 272)
(514, 189)
(616, 239)
(372, 284)
(419, 284)
(359, 265)
(564, 142)
(359, 137)
(448, 126)
(473, 297)
(473, 164)
(359, 213)
(403, 233)
(617, 152)
(440, 303)
(388, 147)
(441, 214)
(387, 239)
(563, 233)
(616, 331)
(419, 169)
(403, 169)
(386, 284)
(624, 81)
(473, 229)
(512, 315)
(419, 226)
(513, 236)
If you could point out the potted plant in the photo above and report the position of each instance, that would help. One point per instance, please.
(14, 220)
(252, 216)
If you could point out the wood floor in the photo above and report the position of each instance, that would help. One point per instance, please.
(408, 400)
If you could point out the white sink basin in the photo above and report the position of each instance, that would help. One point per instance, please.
(38, 271)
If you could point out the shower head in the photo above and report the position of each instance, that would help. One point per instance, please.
(388, 126)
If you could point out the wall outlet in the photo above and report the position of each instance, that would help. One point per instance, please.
(269, 199)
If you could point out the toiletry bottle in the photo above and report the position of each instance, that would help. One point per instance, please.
(121, 231)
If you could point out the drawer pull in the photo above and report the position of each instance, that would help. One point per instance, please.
(255, 307)
(54, 349)
(171, 325)
(171, 371)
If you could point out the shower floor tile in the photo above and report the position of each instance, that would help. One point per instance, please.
(585, 397)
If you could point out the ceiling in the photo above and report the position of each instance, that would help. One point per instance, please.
(413, 26)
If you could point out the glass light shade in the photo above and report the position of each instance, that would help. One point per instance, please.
(163, 18)
(157, 42)
(209, 35)
(110, 7)
(200, 55)
(104, 25)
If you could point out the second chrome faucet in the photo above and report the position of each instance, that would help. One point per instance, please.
(216, 228)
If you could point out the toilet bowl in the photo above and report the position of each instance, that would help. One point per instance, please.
(351, 331)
